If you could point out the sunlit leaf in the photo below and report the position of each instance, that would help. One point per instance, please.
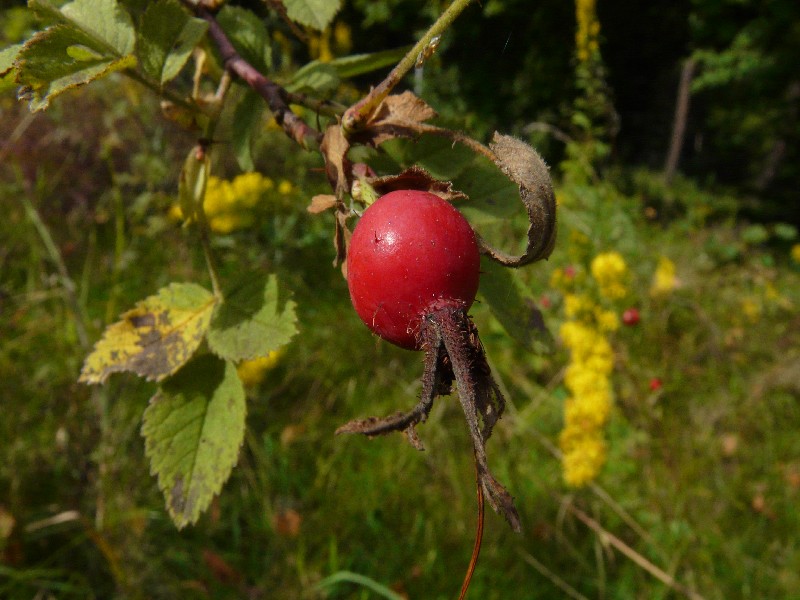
(317, 14)
(154, 339)
(91, 39)
(50, 63)
(255, 318)
(105, 20)
(193, 429)
(7, 57)
(167, 37)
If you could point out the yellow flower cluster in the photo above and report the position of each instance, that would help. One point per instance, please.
(588, 31)
(230, 205)
(664, 279)
(582, 307)
(323, 49)
(611, 273)
(252, 372)
(795, 253)
(586, 410)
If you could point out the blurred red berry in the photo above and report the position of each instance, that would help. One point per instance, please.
(655, 384)
(569, 272)
(630, 317)
(544, 302)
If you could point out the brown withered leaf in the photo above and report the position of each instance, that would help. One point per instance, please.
(415, 178)
(399, 115)
(287, 523)
(523, 165)
(334, 149)
(321, 203)
(221, 569)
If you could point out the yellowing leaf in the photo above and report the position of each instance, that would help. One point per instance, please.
(156, 337)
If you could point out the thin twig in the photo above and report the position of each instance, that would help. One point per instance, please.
(359, 113)
(329, 108)
(633, 555)
(297, 129)
(600, 493)
(554, 579)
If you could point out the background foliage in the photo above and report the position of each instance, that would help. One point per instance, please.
(702, 478)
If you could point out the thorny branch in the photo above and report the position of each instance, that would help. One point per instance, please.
(275, 95)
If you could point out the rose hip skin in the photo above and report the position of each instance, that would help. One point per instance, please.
(410, 253)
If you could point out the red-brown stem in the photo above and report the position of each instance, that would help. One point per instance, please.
(357, 115)
(476, 548)
(297, 129)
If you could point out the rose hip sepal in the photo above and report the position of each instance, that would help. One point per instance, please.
(413, 268)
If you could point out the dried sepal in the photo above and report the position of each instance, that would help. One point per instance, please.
(453, 353)
(525, 167)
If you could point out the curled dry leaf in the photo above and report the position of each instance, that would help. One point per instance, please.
(338, 168)
(523, 165)
(399, 115)
(415, 178)
(321, 203)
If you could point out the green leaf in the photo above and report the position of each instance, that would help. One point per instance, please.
(255, 318)
(492, 195)
(332, 581)
(246, 119)
(323, 77)
(167, 37)
(7, 71)
(193, 429)
(7, 58)
(513, 307)
(785, 231)
(154, 339)
(90, 40)
(317, 14)
(248, 34)
(359, 64)
(105, 20)
(57, 60)
(315, 77)
(437, 155)
(755, 234)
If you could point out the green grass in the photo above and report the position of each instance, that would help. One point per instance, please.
(702, 480)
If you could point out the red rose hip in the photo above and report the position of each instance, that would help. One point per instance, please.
(630, 317)
(411, 252)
